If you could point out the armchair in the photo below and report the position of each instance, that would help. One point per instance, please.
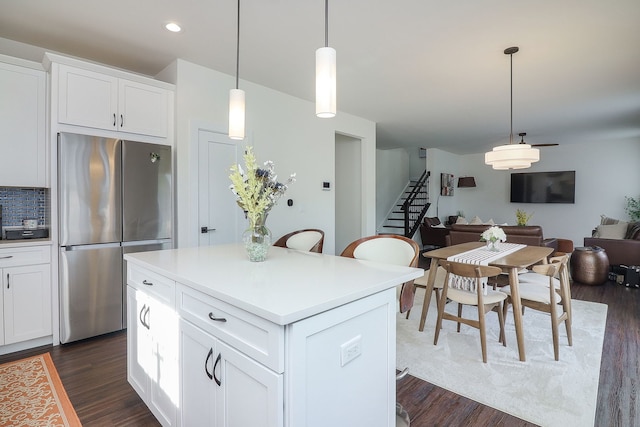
(433, 233)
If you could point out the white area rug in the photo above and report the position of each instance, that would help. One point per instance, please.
(540, 390)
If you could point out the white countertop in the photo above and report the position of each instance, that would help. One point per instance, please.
(289, 286)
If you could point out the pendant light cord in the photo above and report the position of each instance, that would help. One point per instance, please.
(238, 47)
(511, 72)
(326, 23)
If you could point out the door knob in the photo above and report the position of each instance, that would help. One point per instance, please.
(204, 230)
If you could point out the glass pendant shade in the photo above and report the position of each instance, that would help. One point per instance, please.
(326, 82)
(512, 156)
(236, 114)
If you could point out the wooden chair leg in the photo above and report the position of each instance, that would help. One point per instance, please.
(483, 333)
(554, 333)
(503, 338)
(459, 315)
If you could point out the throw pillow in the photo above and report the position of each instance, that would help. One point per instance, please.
(490, 222)
(633, 231)
(438, 226)
(475, 221)
(461, 220)
(605, 220)
(612, 231)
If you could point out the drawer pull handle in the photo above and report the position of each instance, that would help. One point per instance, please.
(216, 319)
(144, 282)
(214, 369)
(206, 363)
(6, 257)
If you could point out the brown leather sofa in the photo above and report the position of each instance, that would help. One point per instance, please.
(527, 235)
(619, 251)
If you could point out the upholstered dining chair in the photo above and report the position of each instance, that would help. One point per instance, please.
(484, 298)
(310, 240)
(388, 249)
(547, 289)
(421, 282)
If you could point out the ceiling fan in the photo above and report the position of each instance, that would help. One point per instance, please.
(523, 134)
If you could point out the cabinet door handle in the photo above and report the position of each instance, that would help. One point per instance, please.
(144, 282)
(216, 319)
(7, 280)
(121, 120)
(146, 318)
(140, 316)
(214, 369)
(114, 119)
(206, 363)
(6, 257)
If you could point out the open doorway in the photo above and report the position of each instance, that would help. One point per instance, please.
(348, 190)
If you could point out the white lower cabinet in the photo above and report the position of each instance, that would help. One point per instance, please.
(222, 387)
(26, 294)
(234, 368)
(152, 350)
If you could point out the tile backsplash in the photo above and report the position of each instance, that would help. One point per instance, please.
(23, 203)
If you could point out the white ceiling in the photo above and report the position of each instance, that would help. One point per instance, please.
(431, 73)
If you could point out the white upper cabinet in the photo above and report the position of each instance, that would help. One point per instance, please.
(92, 99)
(22, 126)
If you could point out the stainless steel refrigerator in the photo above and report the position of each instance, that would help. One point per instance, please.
(114, 197)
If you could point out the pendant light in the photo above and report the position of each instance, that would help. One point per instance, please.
(512, 156)
(236, 96)
(326, 74)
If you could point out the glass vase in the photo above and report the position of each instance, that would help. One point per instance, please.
(492, 245)
(257, 241)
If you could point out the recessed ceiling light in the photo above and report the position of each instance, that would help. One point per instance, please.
(173, 27)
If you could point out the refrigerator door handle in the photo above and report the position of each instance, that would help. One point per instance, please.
(87, 247)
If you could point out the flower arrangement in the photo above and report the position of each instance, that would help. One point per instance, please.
(522, 217)
(493, 234)
(257, 189)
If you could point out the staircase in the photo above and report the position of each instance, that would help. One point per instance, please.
(411, 207)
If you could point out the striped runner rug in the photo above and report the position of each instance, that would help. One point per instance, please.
(31, 394)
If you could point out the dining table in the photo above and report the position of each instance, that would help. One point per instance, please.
(510, 263)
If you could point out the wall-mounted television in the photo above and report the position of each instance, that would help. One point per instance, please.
(543, 187)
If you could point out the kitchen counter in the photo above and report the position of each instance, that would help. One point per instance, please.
(25, 242)
(289, 286)
(290, 337)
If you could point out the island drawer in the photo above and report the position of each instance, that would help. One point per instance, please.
(24, 255)
(162, 288)
(254, 336)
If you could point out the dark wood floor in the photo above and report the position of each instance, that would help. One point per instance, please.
(94, 375)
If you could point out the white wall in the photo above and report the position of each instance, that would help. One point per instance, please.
(605, 173)
(392, 176)
(281, 128)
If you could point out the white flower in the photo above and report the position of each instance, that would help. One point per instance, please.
(494, 234)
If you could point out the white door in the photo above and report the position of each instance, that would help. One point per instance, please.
(219, 217)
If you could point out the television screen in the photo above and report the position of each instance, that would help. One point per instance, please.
(543, 187)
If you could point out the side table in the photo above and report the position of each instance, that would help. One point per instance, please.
(589, 265)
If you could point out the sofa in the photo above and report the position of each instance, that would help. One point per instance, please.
(527, 235)
(620, 240)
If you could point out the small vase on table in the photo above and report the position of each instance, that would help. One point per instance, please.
(257, 240)
(492, 245)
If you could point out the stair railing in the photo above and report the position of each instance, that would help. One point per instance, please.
(416, 205)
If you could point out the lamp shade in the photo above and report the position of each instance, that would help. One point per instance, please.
(326, 82)
(512, 156)
(236, 114)
(466, 181)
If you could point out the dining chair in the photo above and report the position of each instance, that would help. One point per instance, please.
(551, 298)
(484, 298)
(310, 240)
(560, 282)
(388, 249)
(438, 284)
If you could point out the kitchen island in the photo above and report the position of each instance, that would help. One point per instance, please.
(302, 339)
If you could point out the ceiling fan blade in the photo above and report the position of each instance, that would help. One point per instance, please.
(545, 145)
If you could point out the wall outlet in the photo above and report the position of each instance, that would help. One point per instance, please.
(350, 350)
